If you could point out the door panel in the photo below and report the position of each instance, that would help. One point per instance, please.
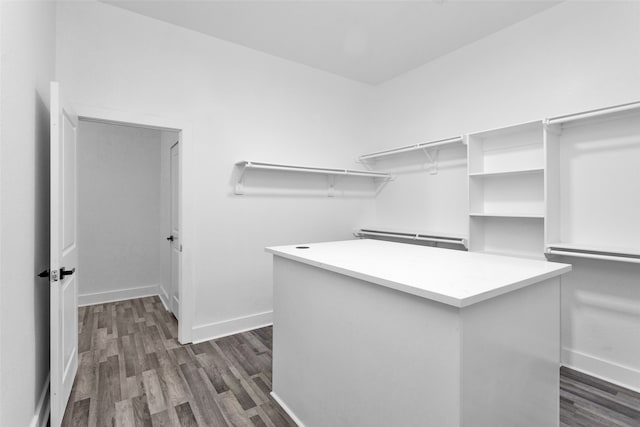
(64, 254)
(69, 317)
(175, 229)
(69, 183)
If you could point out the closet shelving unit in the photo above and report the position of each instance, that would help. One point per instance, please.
(245, 166)
(429, 149)
(506, 169)
(593, 184)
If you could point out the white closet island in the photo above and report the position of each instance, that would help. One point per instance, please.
(375, 333)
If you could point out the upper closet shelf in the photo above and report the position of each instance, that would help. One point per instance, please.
(594, 115)
(377, 177)
(306, 169)
(429, 149)
(415, 147)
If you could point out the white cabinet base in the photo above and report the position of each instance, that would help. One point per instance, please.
(352, 353)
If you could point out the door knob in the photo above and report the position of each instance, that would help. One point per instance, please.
(64, 272)
(171, 238)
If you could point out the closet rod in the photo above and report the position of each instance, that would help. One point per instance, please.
(408, 236)
(594, 113)
(608, 256)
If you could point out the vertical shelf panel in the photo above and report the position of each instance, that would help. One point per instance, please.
(507, 190)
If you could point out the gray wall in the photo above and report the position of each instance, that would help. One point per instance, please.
(119, 211)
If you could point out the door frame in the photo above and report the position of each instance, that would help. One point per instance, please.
(186, 222)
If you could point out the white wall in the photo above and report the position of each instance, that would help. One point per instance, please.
(247, 105)
(119, 212)
(27, 65)
(601, 319)
(573, 57)
(242, 104)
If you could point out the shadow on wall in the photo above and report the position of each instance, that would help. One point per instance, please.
(41, 254)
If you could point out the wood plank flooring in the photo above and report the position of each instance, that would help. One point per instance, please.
(586, 401)
(133, 372)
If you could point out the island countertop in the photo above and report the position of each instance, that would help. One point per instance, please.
(452, 277)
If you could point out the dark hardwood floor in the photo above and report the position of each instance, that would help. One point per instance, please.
(586, 401)
(133, 372)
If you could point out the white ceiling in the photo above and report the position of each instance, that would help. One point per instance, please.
(367, 41)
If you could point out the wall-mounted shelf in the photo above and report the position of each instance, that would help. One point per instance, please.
(595, 115)
(426, 237)
(379, 178)
(508, 172)
(593, 252)
(507, 215)
(428, 149)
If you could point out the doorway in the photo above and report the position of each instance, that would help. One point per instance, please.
(174, 228)
(129, 212)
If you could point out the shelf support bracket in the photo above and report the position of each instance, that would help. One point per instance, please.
(239, 188)
(433, 160)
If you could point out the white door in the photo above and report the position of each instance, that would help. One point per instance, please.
(64, 254)
(175, 228)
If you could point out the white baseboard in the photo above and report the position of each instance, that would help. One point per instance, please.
(176, 306)
(41, 416)
(231, 326)
(624, 376)
(287, 409)
(118, 295)
(164, 297)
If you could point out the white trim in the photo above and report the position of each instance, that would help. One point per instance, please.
(2, 107)
(624, 376)
(188, 197)
(41, 416)
(175, 304)
(118, 295)
(287, 409)
(164, 297)
(225, 328)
